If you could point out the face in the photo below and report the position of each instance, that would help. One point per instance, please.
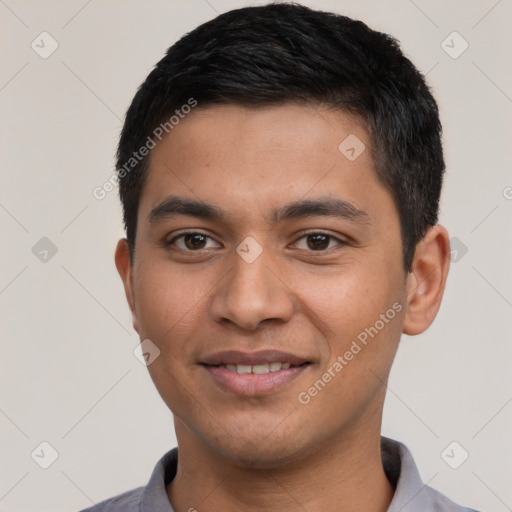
(268, 272)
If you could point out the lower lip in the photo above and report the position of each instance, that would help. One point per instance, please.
(252, 384)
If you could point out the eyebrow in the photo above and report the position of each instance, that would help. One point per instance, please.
(173, 206)
(324, 207)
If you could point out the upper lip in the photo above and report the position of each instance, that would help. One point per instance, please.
(252, 358)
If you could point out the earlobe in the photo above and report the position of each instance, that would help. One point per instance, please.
(427, 279)
(125, 269)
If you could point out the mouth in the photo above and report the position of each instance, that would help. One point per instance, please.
(253, 374)
(258, 369)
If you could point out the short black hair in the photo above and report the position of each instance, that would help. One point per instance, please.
(276, 53)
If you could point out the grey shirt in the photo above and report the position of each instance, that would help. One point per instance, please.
(411, 494)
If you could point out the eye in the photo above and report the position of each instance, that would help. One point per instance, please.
(317, 242)
(193, 241)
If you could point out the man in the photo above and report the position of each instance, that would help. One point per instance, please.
(280, 172)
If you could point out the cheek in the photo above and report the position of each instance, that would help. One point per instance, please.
(360, 312)
(170, 312)
(168, 304)
(347, 300)
(362, 322)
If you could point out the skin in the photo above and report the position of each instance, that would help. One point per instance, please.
(272, 452)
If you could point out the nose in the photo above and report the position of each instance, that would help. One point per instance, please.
(251, 294)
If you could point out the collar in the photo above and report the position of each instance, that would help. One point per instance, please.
(411, 494)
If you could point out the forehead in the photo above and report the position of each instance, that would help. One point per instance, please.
(257, 159)
(227, 131)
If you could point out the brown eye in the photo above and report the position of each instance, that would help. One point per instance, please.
(318, 242)
(194, 241)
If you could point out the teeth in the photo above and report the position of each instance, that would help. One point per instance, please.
(275, 367)
(243, 368)
(257, 369)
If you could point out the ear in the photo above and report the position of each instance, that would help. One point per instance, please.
(426, 280)
(125, 269)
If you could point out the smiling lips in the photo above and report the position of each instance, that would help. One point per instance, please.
(258, 369)
(253, 374)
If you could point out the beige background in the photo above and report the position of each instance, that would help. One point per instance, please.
(67, 370)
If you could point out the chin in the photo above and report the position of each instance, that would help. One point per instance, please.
(259, 450)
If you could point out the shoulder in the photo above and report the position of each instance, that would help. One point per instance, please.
(411, 494)
(126, 502)
(152, 497)
(439, 502)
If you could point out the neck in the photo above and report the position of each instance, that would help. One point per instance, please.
(344, 474)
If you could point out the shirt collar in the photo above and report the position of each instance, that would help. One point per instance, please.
(154, 497)
(411, 494)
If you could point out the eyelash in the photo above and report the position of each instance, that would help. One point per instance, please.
(185, 233)
(331, 237)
